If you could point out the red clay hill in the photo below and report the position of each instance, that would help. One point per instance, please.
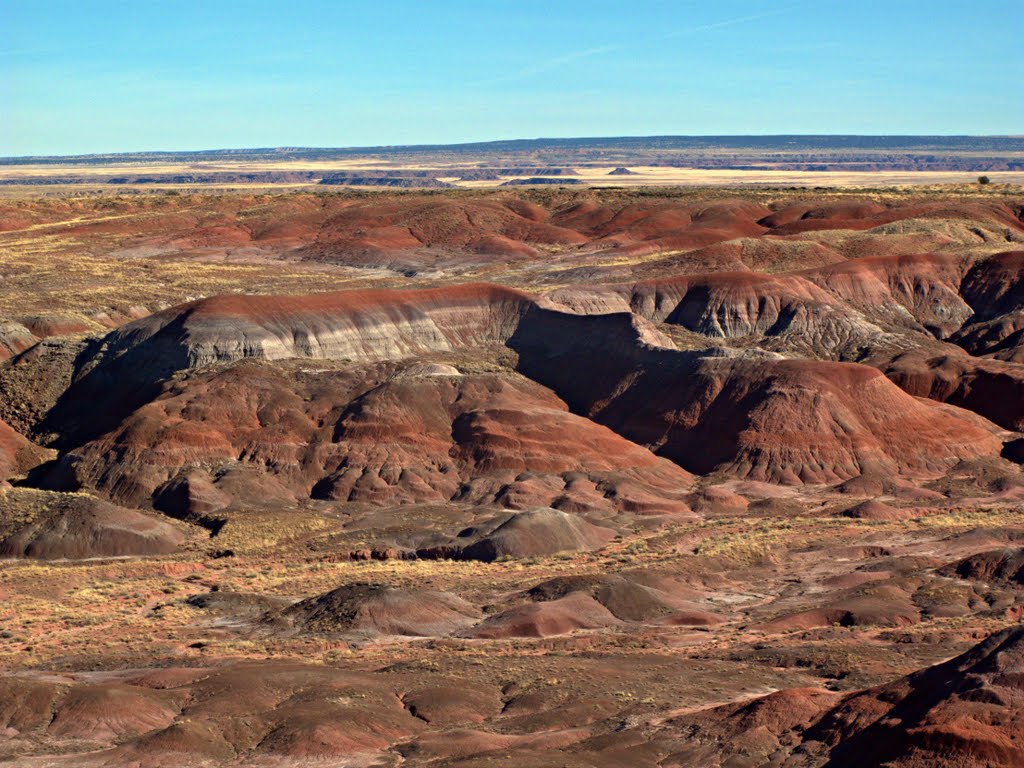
(966, 711)
(386, 434)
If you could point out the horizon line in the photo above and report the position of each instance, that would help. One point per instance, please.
(483, 143)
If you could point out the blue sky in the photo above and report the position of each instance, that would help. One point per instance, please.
(99, 76)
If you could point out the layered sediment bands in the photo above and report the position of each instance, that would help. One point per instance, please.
(419, 229)
(912, 292)
(17, 336)
(384, 434)
(883, 310)
(280, 712)
(933, 293)
(843, 311)
(778, 420)
(801, 316)
(349, 325)
(921, 289)
(353, 325)
(647, 228)
(861, 215)
(382, 232)
(470, 511)
(432, 438)
(14, 338)
(728, 304)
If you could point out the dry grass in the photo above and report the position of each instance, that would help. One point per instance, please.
(50, 273)
(132, 611)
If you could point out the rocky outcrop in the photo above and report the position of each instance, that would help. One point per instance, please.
(966, 711)
(920, 290)
(747, 305)
(348, 325)
(14, 339)
(354, 326)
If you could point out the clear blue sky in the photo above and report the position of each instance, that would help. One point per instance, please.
(98, 76)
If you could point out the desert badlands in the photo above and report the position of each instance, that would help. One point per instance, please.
(545, 476)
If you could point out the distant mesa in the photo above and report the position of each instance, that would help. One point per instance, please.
(622, 171)
(395, 179)
(968, 154)
(497, 173)
(479, 174)
(539, 181)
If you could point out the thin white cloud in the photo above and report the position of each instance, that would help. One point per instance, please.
(724, 23)
(548, 64)
(545, 65)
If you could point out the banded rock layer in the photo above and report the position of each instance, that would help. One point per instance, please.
(381, 435)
